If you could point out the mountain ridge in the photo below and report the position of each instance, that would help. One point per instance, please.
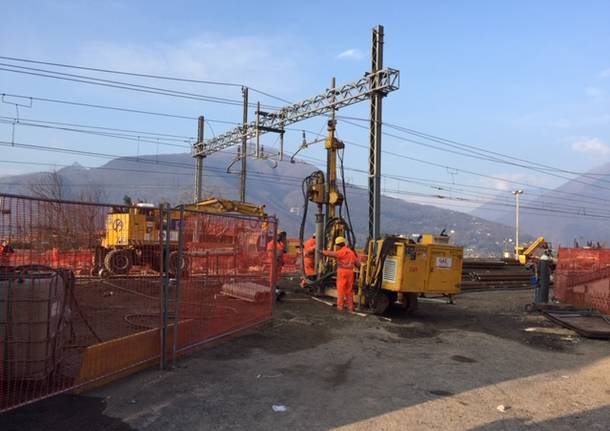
(170, 178)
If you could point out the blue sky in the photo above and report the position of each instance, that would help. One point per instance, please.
(531, 79)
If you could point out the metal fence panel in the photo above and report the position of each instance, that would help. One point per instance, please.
(582, 278)
(76, 311)
(225, 285)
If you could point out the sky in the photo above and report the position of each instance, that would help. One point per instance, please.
(529, 79)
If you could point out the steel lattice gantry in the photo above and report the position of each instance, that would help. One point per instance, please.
(379, 82)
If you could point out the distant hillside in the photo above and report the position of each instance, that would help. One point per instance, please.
(279, 188)
(561, 228)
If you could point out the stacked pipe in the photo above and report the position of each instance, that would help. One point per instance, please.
(494, 274)
(246, 291)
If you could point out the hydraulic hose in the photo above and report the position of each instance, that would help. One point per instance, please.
(352, 238)
(305, 185)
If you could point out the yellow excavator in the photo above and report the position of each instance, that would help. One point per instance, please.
(528, 253)
(132, 235)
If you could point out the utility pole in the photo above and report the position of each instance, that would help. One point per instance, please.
(199, 160)
(281, 138)
(375, 136)
(258, 135)
(517, 193)
(244, 147)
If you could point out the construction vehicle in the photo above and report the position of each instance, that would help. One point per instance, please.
(531, 252)
(397, 269)
(133, 235)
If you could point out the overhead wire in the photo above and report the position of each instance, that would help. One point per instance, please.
(168, 136)
(146, 75)
(484, 157)
(363, 172)
(117, 84)
(400, 128)
(470, 172)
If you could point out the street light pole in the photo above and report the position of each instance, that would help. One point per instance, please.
(517, 193)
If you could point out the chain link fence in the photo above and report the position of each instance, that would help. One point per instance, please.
(91, 292)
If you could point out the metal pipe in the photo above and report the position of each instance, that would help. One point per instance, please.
(319, 239)
(544, 281)
(517, 193)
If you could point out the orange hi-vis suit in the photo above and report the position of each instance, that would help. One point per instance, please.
(279, 246)
(309, 261)
(347, 260)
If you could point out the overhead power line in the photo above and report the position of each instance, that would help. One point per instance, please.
(115, 108)
(132, 132)
(145, 75)
(490, 158)
(268, 178)
(470, 172)
(83, 79)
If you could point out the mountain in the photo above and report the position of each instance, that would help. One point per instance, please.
(170, 178)
(567, 216)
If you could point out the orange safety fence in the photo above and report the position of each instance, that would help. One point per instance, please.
(66, 323)
(582, 278)
(228, 286)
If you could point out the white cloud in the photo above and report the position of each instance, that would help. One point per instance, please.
(595, 92)
(508, 181)
(266, 63)
(501, 185)
(351, 54)
(605, 73)
(592, 146)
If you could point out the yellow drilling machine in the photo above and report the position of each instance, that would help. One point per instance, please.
(396, 269)
(133, 235)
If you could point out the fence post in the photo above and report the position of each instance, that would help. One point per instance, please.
(274, 276)
(164, 252)
(161, 264)
(178, 278)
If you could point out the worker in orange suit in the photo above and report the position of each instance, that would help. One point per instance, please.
(309, 259)
(347, 260)
(279, 261)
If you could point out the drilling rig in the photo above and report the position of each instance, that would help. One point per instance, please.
(397, 269)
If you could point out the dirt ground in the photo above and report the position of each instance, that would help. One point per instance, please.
(467, 366)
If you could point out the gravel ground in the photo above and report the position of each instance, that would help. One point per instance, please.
(467, 366)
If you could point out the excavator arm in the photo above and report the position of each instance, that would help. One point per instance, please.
(524, 255)
(219, 206)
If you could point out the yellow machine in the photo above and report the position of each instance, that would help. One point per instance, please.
(527, 253)
(217, 206)
(133, 235)
(397, 270)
